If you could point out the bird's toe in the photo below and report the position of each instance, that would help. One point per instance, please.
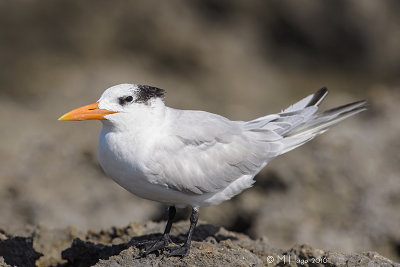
(158, 245)
(180, 251)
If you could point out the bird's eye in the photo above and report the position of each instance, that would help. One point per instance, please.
(125, 99)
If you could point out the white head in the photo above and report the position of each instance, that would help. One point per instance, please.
(123, 102)
(128, 97)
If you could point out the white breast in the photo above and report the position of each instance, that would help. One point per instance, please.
(122, 157)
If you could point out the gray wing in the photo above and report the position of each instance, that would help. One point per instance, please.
(205, 152)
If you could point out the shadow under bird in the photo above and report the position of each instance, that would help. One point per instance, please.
(194, 158)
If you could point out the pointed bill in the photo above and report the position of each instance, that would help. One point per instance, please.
(88, 112)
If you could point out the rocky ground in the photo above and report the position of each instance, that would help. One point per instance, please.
(211, 246)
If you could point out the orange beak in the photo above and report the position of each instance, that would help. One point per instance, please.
(88, 112)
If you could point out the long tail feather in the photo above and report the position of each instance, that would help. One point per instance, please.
(321, 122)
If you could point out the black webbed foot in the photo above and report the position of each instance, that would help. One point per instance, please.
(158, 245)
(180, 251)
(162, 244)
(184, 250)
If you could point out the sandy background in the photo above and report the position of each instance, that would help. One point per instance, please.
(241, 59)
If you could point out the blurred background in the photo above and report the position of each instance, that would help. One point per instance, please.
(241, 59)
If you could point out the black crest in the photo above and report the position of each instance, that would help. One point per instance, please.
(146, 92)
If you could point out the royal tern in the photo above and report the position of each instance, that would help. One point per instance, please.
(194, 158)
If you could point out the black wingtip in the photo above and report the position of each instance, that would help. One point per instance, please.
(318, 97)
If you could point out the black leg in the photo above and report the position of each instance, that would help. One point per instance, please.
(171, 215)
(165, 239)
(185, 249)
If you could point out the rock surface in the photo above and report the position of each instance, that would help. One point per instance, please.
(211, 246)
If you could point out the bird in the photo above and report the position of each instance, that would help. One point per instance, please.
(193, 158)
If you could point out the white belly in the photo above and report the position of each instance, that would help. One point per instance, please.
(123, 162)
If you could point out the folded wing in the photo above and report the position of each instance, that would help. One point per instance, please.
(205, 152)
